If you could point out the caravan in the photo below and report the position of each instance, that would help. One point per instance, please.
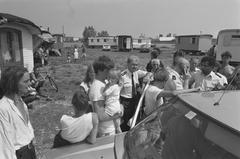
(229, 40)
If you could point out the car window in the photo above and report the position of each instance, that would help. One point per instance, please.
(143, 141)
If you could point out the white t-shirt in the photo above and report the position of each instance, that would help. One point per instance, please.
(96, 94)
(76, 129)
(151, 99)
(112, 103)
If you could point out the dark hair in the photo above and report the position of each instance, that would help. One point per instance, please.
(226, 54)
(211, 60)
(88, 78)
(176, 54)
(9, 80)
(102, 63)
(80, 100)
(154, 54)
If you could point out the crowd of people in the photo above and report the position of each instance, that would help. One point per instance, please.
(107, 100)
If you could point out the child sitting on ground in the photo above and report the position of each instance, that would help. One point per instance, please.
(79, 127)
(112, 95)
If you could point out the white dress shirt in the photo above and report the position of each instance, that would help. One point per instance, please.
(126, 80)
(176, 78)
(15, 131)
(209, 82)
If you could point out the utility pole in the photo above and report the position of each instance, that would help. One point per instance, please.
(63, 30)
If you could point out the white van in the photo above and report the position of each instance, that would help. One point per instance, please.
(229, 40)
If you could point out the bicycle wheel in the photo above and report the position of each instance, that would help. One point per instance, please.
(53, 83)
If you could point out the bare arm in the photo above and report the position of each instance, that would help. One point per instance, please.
(191, 81)
(92, 137)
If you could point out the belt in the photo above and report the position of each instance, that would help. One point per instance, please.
(26, 147)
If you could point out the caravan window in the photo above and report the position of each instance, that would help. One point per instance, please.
(193, 40)
(231, 40)
(10, 46)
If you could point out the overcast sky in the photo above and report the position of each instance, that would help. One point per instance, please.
(134, 17)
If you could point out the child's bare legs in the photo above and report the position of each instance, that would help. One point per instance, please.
(117, 123)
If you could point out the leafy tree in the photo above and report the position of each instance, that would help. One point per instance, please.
(103, 33)
(89, 31)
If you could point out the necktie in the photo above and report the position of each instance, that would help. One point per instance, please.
(133, 88)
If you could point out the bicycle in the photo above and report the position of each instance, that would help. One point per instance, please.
(48, 77)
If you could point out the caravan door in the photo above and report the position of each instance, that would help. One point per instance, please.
(10, 47)
(128, 43)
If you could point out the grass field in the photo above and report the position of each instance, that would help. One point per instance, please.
(45, 115)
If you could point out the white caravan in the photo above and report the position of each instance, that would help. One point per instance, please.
(229, 40)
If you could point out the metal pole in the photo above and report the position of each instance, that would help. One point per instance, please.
(139, 106)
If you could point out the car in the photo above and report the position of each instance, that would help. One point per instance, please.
(144, 49)
(106, 48)
(217, 118)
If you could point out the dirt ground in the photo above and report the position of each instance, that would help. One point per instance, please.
(45, 115)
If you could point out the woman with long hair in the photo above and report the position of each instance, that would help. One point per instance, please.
(16, 132)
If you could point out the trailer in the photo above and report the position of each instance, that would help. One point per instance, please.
(196, 44)
(228, 40)
(18, 39)
(125, 43)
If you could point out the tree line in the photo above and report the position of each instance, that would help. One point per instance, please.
(89, 31)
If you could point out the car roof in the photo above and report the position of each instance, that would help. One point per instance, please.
(225, 112)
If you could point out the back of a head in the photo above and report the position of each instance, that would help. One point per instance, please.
(209, 59)
(161, 75)
(80, 100)
(182, 61)
(10, 78)
(102, 63)
(177, 55)
(115, 74)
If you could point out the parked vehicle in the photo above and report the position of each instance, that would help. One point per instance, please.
(219, 117)
(144, 49)
(229, 40)
(106, 47)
